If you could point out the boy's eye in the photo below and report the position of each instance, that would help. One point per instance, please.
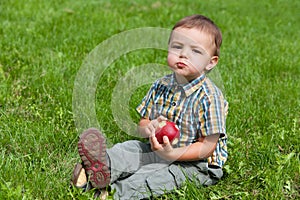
(197, 51)
(176, 46)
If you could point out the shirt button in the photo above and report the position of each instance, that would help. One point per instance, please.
(173, 103)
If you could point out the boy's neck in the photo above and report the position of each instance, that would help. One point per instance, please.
(183, 80)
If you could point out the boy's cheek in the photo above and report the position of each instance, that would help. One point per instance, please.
(171, 59)
(173, 53)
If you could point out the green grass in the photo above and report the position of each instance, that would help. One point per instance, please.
(43, 45)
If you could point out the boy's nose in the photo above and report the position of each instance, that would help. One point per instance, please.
(183, 53)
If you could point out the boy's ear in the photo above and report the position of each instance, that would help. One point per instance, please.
(213, 62)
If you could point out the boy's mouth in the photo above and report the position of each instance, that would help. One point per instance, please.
(181, 64)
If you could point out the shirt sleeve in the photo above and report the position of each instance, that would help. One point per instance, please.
(213, 117)
(144, 108)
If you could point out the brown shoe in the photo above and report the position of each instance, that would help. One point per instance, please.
(92, 150)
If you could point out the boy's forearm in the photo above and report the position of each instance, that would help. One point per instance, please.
(197, 151)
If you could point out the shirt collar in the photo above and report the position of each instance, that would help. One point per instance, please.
(194, 85)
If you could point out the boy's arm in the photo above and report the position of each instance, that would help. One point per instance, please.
(199, 150)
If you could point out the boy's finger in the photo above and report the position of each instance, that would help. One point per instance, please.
(166, 140)
(161, 118)
(167, 144)
(154, 139)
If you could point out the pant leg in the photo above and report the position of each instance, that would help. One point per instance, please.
(201, 173)
(126, 158)
(136, 186)
(158, 178)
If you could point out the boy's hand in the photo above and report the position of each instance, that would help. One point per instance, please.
(148, 128)
(164, 150)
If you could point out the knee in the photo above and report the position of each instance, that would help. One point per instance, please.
(131, 145)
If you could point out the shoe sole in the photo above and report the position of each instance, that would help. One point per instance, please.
(92, 151)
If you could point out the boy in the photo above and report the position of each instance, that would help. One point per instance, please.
(137, 170)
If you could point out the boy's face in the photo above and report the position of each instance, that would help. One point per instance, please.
(189, 54)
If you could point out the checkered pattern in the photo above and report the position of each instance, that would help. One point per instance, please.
(198, 108)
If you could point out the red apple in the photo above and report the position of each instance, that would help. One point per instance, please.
(169, 129)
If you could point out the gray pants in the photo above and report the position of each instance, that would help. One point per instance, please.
(137, 172)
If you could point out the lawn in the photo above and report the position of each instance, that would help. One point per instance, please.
(63, 62)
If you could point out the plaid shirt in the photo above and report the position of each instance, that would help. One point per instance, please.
(198, 108)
